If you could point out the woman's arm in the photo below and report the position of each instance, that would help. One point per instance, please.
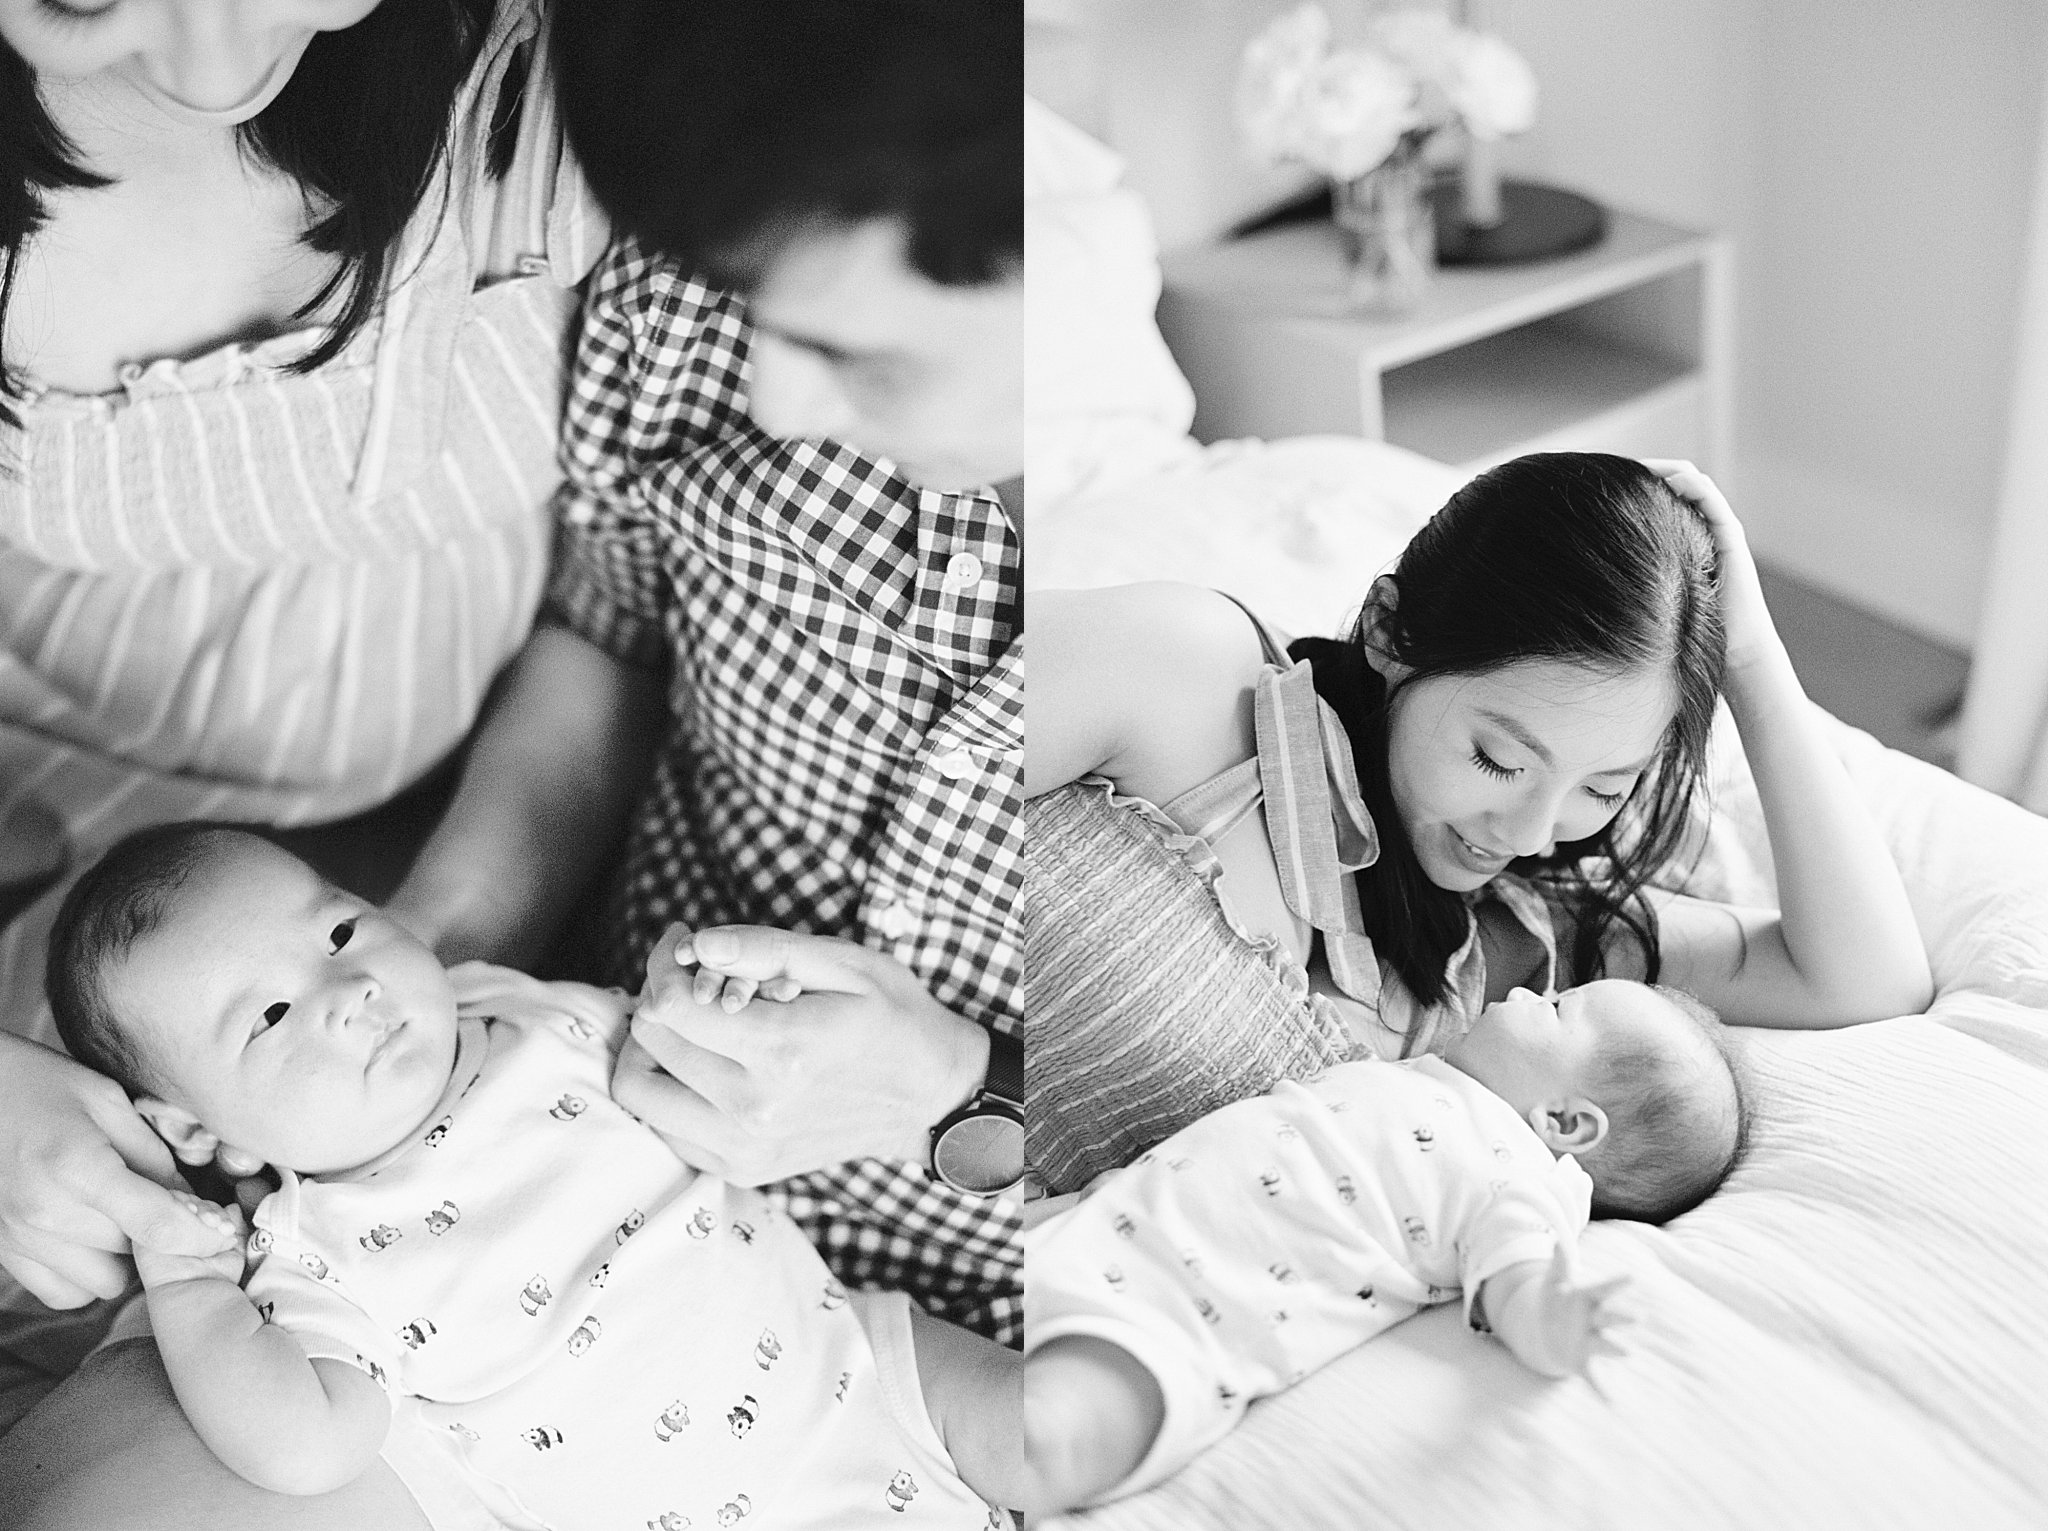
(1844, 947)
(279, 1420)
(1148, 685)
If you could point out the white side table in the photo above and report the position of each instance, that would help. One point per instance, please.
(1624, 347)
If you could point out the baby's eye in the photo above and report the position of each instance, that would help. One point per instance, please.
(271, 1017)
(338, 937)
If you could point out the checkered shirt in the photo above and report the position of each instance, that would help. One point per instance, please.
(844, 749)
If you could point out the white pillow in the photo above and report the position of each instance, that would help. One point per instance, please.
(1103, 398)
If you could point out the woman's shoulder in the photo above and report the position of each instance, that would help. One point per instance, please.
(1168, 628)
(1145, 684)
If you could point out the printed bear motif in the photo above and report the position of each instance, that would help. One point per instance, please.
(741, 1416)
(383, 1236)
(835, 1296)
(671, 1520)
(673, 1419)
(534, 1296)
(442, 1218)
(745, 1232)
(702, 1221)
(767, 1350)
(635, 1221)
(541, 1438)
(601, 1275)
(568, 1108)
(438, 1133)
(585, 1335)
(733, 1510)
(902, 1489)
(417, 1333)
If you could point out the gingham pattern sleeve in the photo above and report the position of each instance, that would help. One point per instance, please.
(845, 741)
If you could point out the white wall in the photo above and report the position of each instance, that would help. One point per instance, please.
(1873, 163)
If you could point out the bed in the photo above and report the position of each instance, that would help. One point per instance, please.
(1851, 1333)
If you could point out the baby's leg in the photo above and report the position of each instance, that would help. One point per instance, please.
(973, 1390)
(1091, 1412)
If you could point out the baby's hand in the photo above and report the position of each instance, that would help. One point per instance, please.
(1554, 1321)
(732, 994)
(158, 1268)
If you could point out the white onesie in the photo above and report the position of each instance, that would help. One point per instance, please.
(1256, 1245)
(578, 1330)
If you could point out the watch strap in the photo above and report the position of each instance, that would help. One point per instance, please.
(1005, 1077)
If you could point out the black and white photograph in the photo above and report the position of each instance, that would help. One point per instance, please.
(1536, 909)
(510, 739)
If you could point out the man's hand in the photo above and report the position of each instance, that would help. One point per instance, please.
(80, 1176)
(862, 1063)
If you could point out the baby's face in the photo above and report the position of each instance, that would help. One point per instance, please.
(296, 1022)
(1530, 1050)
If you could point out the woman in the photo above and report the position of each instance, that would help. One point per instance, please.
(286, 290)
(1472, 791)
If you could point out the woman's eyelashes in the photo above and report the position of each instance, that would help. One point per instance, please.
(1500, 772)
(60, 14)
(1493, 767)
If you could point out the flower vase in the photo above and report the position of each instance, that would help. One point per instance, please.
(1383, 219)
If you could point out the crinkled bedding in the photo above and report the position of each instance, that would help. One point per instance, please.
(1851, 1334)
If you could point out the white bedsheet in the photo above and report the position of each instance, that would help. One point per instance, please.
(1850, 1334)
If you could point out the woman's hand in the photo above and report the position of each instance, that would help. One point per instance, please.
(1744, 614)
(81, 1176)
(863, 1062)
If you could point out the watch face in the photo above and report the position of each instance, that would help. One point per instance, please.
(983, 1154)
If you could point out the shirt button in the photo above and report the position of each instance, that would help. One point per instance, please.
(963, 572)
(954, 764)
(895, 922)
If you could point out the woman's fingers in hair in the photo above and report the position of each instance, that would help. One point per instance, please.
(1696, 489)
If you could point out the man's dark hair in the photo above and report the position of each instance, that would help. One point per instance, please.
(717, 130)
(121, 898)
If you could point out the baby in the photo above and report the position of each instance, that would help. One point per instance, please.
(471, 1238)
(1253, 1247)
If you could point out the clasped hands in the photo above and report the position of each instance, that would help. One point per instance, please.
(849, 1058)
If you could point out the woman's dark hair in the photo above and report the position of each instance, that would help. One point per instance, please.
(715, 130)
(361, 126)
(1570, 557)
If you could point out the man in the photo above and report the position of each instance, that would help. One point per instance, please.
(778, 511)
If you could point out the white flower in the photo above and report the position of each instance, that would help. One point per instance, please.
(1495, 90)
(1359, 105)
(1342, 111)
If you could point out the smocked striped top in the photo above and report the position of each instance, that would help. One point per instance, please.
(229, 590)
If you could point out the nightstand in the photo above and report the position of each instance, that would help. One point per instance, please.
(1620, 348)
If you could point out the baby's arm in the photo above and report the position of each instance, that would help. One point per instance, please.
(974, 1391)
(283, 1422)
(1552, 1321)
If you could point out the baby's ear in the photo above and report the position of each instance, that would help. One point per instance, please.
(1569, 1126)
(186, 1136)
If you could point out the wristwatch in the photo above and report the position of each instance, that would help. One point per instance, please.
(979, 1148)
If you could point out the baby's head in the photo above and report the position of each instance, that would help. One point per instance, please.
(245, 1001)
(1633, 1080)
